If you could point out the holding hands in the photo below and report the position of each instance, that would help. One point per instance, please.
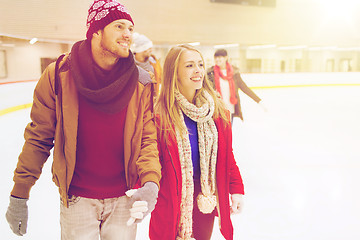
(142, 201)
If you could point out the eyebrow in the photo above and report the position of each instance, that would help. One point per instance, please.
(119, 21)
(194, 61)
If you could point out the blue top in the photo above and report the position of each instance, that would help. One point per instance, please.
(194, 144)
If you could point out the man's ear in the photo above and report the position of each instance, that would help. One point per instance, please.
(97, 33)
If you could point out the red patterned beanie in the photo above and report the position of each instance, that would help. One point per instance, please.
(103, 12)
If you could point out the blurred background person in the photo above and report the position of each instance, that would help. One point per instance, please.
(142, 49)
(227, 81)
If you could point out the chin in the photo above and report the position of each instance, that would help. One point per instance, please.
(200, 86)
(124, 54)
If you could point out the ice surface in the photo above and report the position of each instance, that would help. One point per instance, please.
(300, 163)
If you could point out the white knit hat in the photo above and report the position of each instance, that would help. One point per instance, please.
(140, 43)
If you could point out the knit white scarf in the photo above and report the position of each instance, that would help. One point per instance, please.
(208, 145)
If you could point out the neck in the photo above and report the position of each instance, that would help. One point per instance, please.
(102, 58)
(189, 95)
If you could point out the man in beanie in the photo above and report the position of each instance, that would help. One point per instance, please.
(94, 107)
(227, 81)
(142, 49)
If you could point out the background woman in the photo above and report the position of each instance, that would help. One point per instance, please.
(226, 80)
(195, 147)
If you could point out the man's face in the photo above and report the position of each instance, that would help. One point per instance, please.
(116, 38)
(220, 61)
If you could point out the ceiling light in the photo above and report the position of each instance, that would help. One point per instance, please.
(262, 46)
(227, 45)
(194, 44)
(33, 40)
(292, 47)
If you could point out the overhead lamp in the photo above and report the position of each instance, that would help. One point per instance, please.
(348, 49)
(8, 45)
(33, 40)
(323, 48)
(227, 45)
(262, 46)
(194, 44)
(292, 47)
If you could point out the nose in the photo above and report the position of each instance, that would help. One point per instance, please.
(127, 33)
(198, 68)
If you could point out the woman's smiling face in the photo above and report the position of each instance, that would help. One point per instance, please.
(191, 73)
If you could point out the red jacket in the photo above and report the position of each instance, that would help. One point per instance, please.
(165, 218)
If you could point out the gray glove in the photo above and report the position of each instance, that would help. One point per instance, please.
(17, 215)
(149, 193)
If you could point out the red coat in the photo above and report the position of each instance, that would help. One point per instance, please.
(165, 218)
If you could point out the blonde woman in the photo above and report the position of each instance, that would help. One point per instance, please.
(195, 147)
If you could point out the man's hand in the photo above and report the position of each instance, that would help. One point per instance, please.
(262, 105)
(17, 215)
(142, 201)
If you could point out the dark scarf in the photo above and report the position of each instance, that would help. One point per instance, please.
(108, 91)
(229, 77)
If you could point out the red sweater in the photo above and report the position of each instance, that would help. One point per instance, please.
(99, 170)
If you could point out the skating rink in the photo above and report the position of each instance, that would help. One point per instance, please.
(300, 161)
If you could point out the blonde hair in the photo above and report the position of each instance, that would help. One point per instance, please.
(166, 107)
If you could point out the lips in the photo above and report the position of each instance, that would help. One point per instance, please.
(196, 79)
(124, 44)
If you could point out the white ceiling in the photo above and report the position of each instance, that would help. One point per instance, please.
(291, 22)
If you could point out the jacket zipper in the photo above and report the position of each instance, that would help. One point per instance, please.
(57, 99)
(177, 188)
(172, 164)
(129, 183)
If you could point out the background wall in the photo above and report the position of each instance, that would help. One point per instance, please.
(293, 36)
(291, 22)
(24, 60)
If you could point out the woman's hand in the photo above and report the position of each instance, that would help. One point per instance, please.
(237, 203)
